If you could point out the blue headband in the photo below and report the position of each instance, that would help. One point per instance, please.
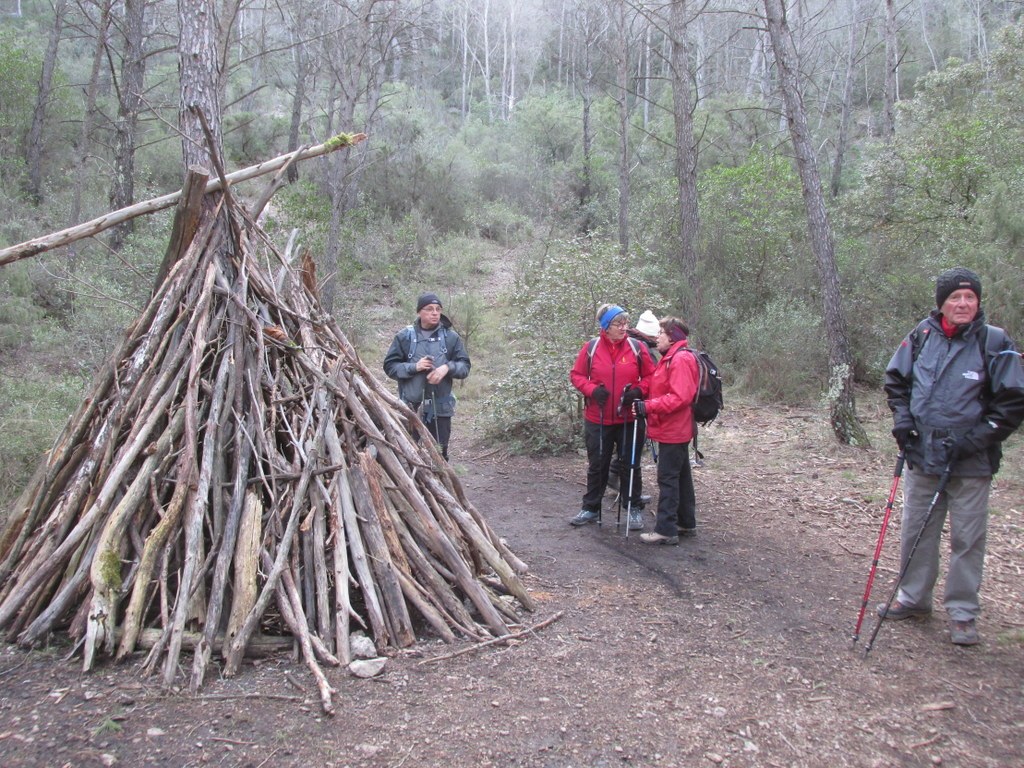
(610, 314)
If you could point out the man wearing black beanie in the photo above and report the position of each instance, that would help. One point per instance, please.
(956, 390)
(424, 358)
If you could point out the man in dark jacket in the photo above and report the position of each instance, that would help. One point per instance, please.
(424, 358)
(956, 390)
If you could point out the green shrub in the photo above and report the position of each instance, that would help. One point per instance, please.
(500, 223)
(534, 408)
(33, 410)
(781, 353)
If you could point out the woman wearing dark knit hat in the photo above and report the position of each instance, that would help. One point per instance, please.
(956, 390)
(424, 358)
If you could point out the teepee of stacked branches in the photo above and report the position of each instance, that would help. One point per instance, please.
(237, 474)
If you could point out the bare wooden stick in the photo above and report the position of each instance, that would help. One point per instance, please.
(97, 225)
(495, 640)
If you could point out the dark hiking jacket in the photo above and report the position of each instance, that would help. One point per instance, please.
(949, 391)
(413, 343)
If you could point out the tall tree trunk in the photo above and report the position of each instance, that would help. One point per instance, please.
(200, 75)
(298, 99)
(34, 142)
(83, 149)
(466, 66)
(843, 407)
(621, 43)
(133, 75)
(889, 100)
(844, 115)
(686, 163)
(358, 54)
(485, 30)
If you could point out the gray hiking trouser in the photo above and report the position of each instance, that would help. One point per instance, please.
(966, 501)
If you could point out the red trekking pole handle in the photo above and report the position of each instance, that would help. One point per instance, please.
(897, 472)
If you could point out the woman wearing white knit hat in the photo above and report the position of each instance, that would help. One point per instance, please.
(648, 328)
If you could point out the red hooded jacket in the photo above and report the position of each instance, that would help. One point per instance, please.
(670, 396)
(615, 366)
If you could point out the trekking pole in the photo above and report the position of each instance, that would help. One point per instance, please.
(600, 456)
(433, 410)
(632, 468)
(878, 546)
(939, 490)
(622, 447)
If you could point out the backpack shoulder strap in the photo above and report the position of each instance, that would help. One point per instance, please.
(634, 344)
(591, 348)
(992, 343)
(409, 335)
(445, 345)
(918, 337)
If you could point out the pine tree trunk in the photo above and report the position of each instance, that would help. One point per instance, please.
(686, 164)
(841, 395)
(34, 142)
(133, 74)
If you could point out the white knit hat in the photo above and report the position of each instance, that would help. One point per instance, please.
(648, 324)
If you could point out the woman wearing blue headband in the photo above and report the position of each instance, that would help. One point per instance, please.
(610, 371)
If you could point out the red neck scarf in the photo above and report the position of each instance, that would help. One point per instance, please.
(948, 328)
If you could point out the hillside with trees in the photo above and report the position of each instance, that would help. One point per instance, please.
(789, 177)
(201, 456)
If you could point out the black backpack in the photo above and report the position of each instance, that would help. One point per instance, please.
(708, 402)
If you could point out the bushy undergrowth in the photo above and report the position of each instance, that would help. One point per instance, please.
(534, 408)
(780, 353)
(33, 409)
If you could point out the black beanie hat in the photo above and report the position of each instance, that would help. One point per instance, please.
(427, 298)
(956, 279)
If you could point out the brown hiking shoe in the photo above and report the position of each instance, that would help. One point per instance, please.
(898, 611)
(963, 633)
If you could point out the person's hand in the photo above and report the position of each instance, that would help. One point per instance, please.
(600, 395)
(964, 448)
(640, 408)
(630, 396)
(904, 434)
(436, 375)
(425, 363)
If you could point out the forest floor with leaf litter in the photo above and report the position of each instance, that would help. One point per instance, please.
(732, 649)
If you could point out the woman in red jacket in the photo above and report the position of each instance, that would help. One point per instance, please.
(606, 369)
(668, 410)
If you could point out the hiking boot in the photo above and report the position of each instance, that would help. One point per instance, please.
(687, 533)
(658, 538)
(636, 520)
(963, 633)
(585, 516)
(898, 611)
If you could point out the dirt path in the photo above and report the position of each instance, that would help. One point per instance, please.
(732, 649)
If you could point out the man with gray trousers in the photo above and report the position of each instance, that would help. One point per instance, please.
(956, 390)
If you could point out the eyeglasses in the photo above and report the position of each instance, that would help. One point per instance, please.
(619, 323)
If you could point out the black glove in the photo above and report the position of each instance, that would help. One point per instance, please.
(974, 442)
(630, 396)
(904, 433)
(600, 395)
(640, 409)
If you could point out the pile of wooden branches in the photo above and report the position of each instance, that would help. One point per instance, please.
(236, 472)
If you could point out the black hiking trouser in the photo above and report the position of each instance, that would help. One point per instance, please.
(604, 442)
(677, 500)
